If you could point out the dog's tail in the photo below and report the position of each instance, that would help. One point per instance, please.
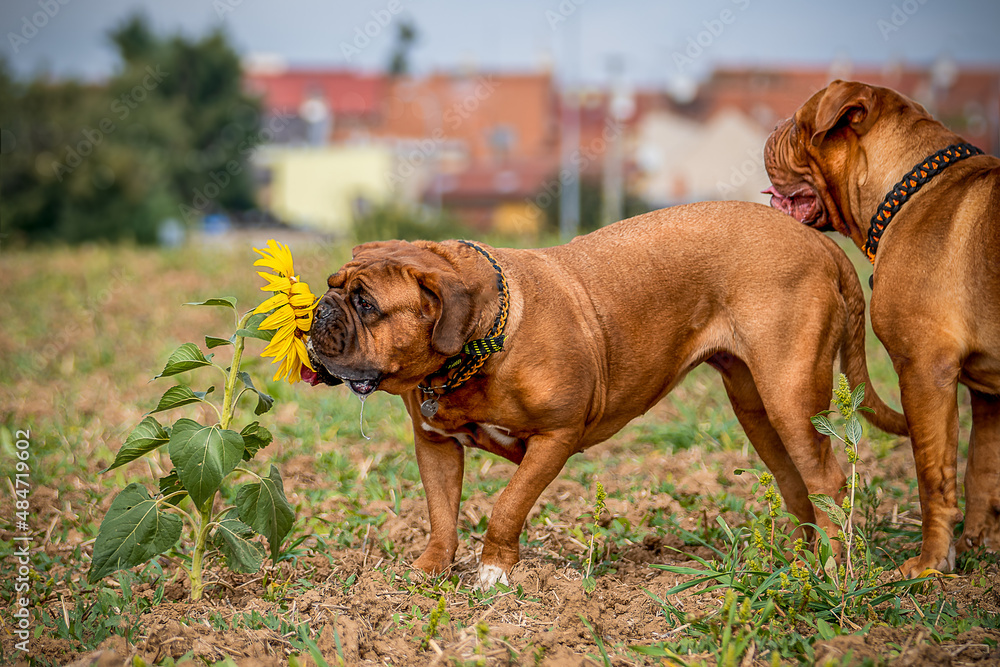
(853, 361)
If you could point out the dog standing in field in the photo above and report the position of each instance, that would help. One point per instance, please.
(535, 355)
(935, 301)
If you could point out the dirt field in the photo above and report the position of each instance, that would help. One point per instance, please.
(79, 348)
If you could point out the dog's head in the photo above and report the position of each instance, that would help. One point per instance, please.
(812, 157)
(392, 316)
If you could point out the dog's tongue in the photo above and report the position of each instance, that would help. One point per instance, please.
(310, 376)
(802, 206)
(778, 200)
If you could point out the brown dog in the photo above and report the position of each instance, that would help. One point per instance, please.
(595, 333)
(936, 298)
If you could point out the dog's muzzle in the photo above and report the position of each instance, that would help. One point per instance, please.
(321, 336)
(328, 339)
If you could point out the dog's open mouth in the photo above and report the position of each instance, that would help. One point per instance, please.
(803, 204)
(363, 387)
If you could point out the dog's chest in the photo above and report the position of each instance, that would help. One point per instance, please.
(489, 437)
(475, 434)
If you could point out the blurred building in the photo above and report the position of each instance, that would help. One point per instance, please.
(325, 105)
(479, 144)
(486, 145)
(965, 98)
(323, 187)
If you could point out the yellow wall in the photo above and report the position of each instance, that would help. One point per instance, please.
(517, 218)
(317, 186)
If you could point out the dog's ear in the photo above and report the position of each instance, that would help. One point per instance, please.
(844, 102)
(446, 300)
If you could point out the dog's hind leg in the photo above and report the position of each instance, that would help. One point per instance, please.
(928, 388)
(982, 476)
(750, 412)
(790, 396)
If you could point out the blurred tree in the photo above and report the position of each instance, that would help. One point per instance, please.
(63, 177)
(169, 136)
(199, 83)
(406, 37)
(134, 39)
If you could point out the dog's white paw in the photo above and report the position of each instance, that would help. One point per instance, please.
(489, 575)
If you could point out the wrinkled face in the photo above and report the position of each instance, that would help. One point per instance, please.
(382, 324)
(793, 175)
(818, 158)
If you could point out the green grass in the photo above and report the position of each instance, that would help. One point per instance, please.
(80, 350)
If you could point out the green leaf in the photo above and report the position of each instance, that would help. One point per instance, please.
(132, 532)
(172, 484)
(823, 425)
(832, 509)
(262, 505)
(180, 395)
(725, 528)
(255, 438)
(825, 630)
(185, 358)
(214, 341)
(233, 538)
(857, 396)
(146, 437)
(223, 301)
(264, 402)
(251, 330)
(854, 431)
(203, 455)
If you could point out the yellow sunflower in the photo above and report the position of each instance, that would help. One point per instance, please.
(292, 305)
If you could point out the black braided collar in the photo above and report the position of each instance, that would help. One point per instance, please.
(466, 363)
(908, 186)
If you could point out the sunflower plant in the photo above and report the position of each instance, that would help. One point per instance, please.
(140, 526)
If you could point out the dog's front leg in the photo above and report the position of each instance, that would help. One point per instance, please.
(544, 457)
(442, 463)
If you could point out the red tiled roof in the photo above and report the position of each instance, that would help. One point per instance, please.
(769, 95)
(345, 92)
(472, 109)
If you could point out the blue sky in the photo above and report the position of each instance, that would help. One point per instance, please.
(658, 41)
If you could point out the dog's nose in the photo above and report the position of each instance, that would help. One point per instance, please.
(327, 309)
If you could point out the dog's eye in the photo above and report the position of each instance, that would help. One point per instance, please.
(363, 305)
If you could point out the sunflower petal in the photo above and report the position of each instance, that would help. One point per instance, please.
(278, 318)
(299, 346)
(275, 283)
(281, 343)
(301, 301)
(288, 364)
(304, 320)
(276, 301)
(277, 257)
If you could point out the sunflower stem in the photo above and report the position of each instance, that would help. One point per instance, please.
(200, 545)
(228, 400)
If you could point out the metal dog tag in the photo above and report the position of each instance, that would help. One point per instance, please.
(429, 408)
